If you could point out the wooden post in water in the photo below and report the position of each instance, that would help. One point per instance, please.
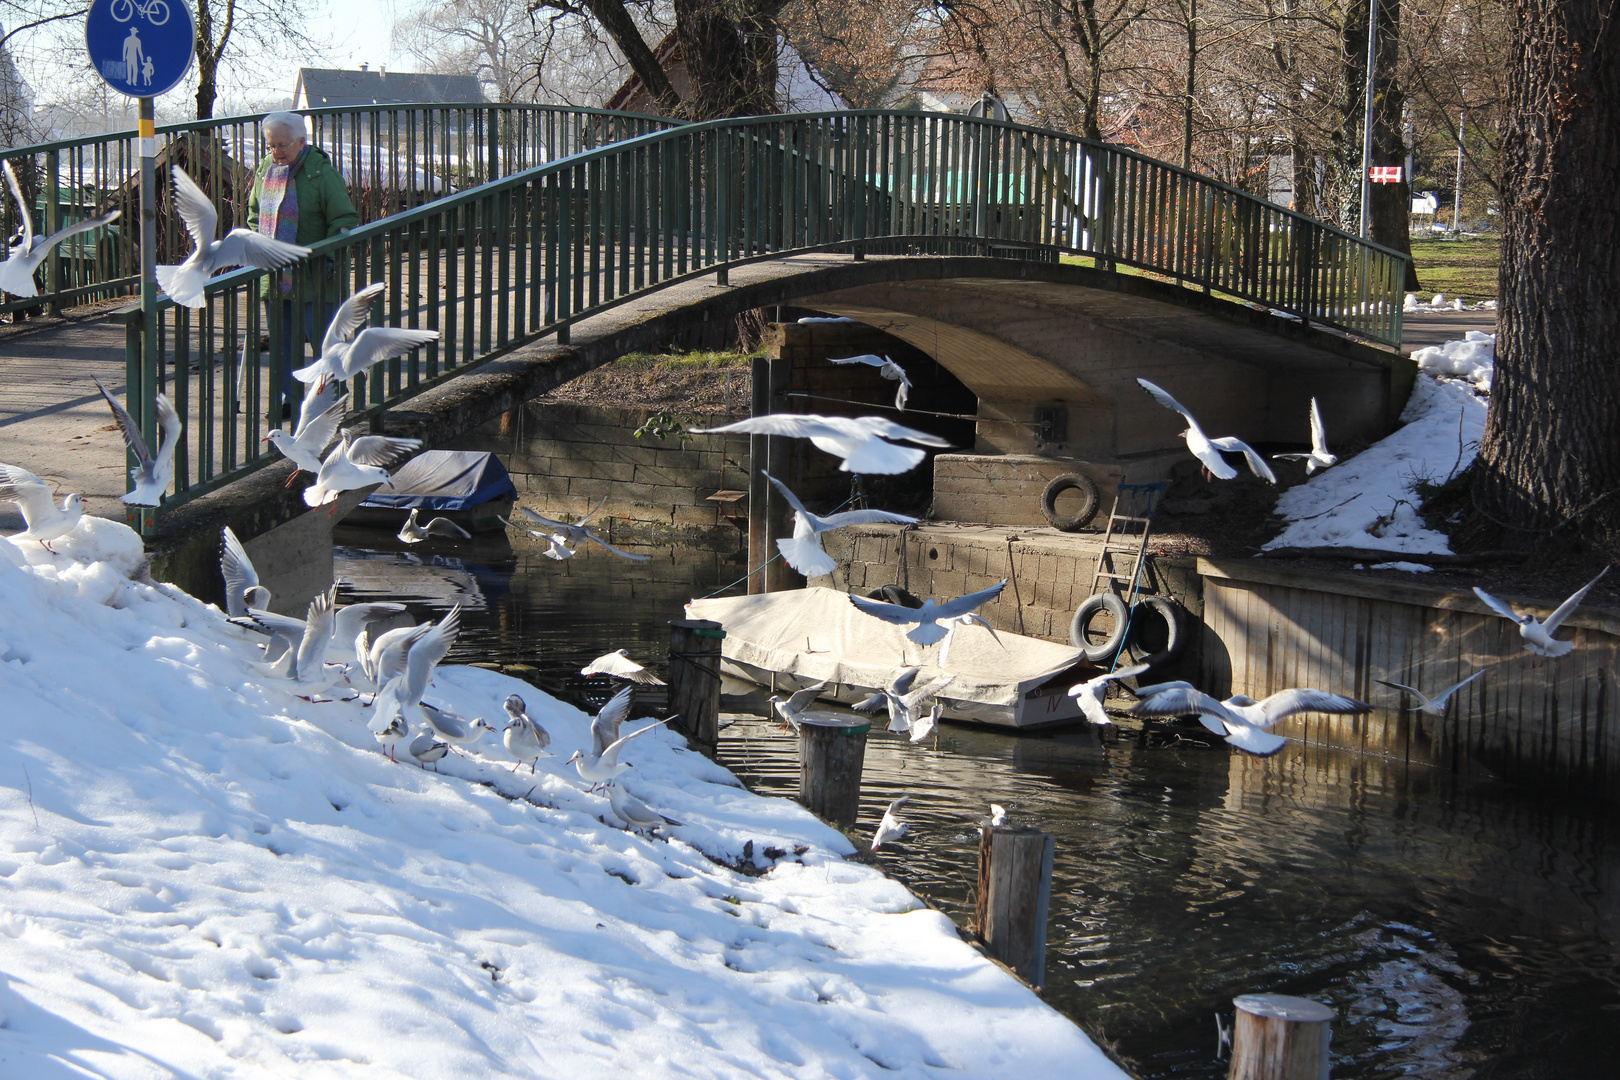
(694, 679)
(832, 750)
(1015, 890)
(1278, 1037)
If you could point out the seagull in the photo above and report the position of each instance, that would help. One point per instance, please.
(306, 663)
(1538, 636)
(446, 724)
(426, 748)
(803, 550)
(1089, 694)
(556, 546)
(524, 739)
(184, 283)
(605, 725)
(788, 709)
(903, 699)
(928, 724)
(889, 370)
(242, 588)
(359, 464)
(1319, 457)
(1241, 719)
(930, 615)
(403, 693)
(345, 354)
(384, 658)
(151, 474)
(576, 533)
(635, 813)
(17, 272)
(1434, 706)
(970, 619)
(858, 440)
(346, 624)
(997, 818)
(891, 827)
(314, 433)
(413, 533)
(598, 769)
(1206, 449)
(42, 519)
(392, 733)
(619, 665)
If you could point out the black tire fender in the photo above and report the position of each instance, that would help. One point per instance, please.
(1096, 602)
(894, 594)
(1070, 482)
(1174, 618)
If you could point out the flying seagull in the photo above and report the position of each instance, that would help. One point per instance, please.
(556, 546)
(43, 520)
(242, 588)
(345, 354)
(803, 550)
(788, 709)
(1208, 450)
(1319, 457)
(1434, 706)
(1240, 719)
(1538, 636)
(930, 615)
(858, 440)
(402, 694)
(441, 527)
(1090, 693)
(319, 416)
(619, 665)
(17, 272)
(891, 828)
(241, 247)
(358, 464)
(151, 473)
(576, 534)
(904, 698)
(886, 368)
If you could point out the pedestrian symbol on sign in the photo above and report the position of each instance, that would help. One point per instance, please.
(132, 56)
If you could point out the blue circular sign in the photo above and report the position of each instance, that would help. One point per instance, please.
(141, 48)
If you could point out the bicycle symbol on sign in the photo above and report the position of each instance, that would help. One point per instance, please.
(155, 12)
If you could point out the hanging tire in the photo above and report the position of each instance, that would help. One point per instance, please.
(1158, 630)
(1097, 602)
(894, 594)
(1070, 482)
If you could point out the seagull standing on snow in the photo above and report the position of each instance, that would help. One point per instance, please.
(1538, 636)
(803, 550)
(524, 739)
(319, 416)
(151, 474)
(1240, 719)
(17, 272)
(1319, 457)
(891, 828)
(635, 813)
(242, 588)
(858, 440)
(1434, 706)
(1089, 695)
(345, 354)
(426, 748)
(619, 665)
(442, 527)
(184, 283)
(788, 709)
(42, 519)
(1206, 449)
(599, 769)
(359, 464)
(889, 370)
(930, 615)
(561, 534)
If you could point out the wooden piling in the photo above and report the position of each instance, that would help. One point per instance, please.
(1015, 891)
(694, 679)
(1278, 1037)
(832, 750)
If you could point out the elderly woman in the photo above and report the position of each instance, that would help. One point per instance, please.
(298, 196)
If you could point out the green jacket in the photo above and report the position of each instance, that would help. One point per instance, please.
(324, 209)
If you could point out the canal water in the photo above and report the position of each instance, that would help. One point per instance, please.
(1458, 929)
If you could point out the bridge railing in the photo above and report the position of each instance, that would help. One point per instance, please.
(496, 266)
(392, 157)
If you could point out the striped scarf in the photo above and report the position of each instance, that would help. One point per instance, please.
(278, 206)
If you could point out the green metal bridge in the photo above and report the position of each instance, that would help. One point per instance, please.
(498, 225)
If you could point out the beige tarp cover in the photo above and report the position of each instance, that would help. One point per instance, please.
(816, 634)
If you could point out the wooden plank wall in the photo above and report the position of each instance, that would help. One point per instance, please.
(1528, 719)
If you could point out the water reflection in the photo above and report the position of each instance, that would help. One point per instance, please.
(1460, 929)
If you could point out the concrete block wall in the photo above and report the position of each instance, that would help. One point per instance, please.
(565, 458)
(1006, 489)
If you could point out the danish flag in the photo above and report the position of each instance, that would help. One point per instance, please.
(1385, 174)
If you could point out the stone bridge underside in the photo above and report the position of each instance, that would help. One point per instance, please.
(1020, 334)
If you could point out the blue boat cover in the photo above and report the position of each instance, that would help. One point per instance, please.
(446, 480)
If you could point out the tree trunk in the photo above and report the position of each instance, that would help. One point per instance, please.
(1552, 444)
(615, 20)
(207, 62)
(729, 47)
(1389, 211)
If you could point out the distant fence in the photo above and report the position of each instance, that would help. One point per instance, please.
(1550, 722)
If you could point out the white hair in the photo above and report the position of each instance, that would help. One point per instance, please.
(289, 122)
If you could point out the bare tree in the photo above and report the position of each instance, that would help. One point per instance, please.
(270, 29)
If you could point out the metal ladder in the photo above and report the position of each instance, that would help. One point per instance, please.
(1138, 501)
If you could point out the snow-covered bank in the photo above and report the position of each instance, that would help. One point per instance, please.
(203, 876)
(1370, 500)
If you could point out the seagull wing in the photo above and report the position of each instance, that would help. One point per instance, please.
(1497, 606)
(1423, 699)
(1445, 695)
(31, 494)
(964, 604)
(380, 450)
(314, 406)
(239, 574)
(1288, 702)
(380, 343)
(127, 426)
(879, 425)
(443, 526)
(60, 235)
(593, 538)
(320, 432)
(894, 613)
(901, 683)
(788, 425)
(873, 455)
(792, 499)
(1567, 608)
(317, 635)
(1167, 401)
(195, 208)
(868, 358)
(243, 248)
(1318, 430)
(902, 393)
(169, 426)
(801, 699)
(540, 519)
(619, 665)
(24, 211)
(424, 655)
(605, 725)
(1257, 464)
(350, 316)
(928, 690)
(863, 517)
(610, 756)
(594, 511)
(352, 618)
(1179, 701)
